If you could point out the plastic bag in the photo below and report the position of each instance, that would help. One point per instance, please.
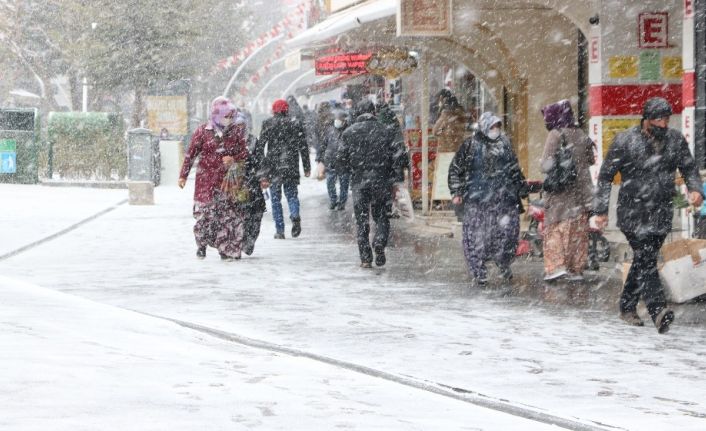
(403, 201)
(234, 184)
(320, 171)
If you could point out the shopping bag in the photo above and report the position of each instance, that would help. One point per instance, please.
(684, 269)
(234, 184)
(403, 202)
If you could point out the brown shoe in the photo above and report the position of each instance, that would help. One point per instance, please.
(663, 320)
(632, 318)
(366, 265)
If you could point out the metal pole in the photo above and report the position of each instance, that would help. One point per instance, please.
(700, 78)
(296, 81)
(246, 61)
(85, 95)
(425, 133)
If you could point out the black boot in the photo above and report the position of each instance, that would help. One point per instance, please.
(296, 226)
(380, 256)
(201, 252)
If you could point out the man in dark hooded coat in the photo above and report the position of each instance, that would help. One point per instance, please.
(646, 156)
(368, 152)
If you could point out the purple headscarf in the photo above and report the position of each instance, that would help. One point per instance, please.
(558, 115)
(220, 108)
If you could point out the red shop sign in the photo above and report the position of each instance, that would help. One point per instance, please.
(349, 63)
(653, 30)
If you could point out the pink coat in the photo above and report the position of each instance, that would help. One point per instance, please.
(211, 149)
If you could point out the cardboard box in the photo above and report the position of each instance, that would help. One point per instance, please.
(684, 269)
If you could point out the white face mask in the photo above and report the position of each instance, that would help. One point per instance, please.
(337, 124)
(494, 134)
(226, 122)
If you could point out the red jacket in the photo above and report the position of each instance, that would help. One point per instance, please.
(211, 149)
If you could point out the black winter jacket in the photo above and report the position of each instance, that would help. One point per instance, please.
(647, 189)
(485, 171)
(328, 147)
(284, 138)
(368, 152)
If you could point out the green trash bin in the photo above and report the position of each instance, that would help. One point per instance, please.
(18, 145)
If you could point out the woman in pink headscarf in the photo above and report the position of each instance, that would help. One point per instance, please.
(221, 149)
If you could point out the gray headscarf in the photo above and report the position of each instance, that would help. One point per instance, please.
(486, 121)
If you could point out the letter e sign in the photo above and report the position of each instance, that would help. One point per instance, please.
(653, 30)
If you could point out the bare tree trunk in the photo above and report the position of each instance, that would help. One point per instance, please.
(75, 86)
(138, 106)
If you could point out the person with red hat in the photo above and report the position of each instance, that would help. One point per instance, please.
(285, 142)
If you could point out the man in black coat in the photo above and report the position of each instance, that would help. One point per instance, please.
(646, 157)
(367, 151)
(284, 138)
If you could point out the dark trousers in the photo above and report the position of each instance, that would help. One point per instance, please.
(643, 278)
(378, 201)
(253, 221)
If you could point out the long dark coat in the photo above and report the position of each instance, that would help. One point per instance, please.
(487, 172)
(647, 169)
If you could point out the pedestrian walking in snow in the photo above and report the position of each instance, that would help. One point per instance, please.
(222, 153)
(566, 211)
(450, 128)
(255, 206)
(402, 166)
(368, 153)
(485, 176)
(330, 141)
(647, 157)
(285, 142)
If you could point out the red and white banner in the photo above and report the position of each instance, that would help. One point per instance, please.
(292, 23)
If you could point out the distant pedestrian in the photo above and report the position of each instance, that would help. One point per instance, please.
(450, 128)
(310, 128)
(330, 142)
(368, 153)
(220, 148)
(647, 157)
(323, 123)
(437, 104)
(255, 206)
(283, 137)
(485, 176)
(402, 166)
(566, 211)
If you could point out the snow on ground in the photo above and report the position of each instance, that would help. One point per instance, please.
(30, 213)
(407, 319)
(72, 364)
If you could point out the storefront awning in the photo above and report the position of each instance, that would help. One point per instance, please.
(327, 85)
(344, 21)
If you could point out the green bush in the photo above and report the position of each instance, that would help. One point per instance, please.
(87, 146)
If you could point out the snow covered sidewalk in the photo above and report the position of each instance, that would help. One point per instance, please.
(416, 317)
(72, 364)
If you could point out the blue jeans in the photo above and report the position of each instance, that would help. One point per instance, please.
(344, 180)
(292, 194)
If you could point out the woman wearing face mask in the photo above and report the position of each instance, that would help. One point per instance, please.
(485, 176)
(329, 143)
(566, 212)
(218, 144)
